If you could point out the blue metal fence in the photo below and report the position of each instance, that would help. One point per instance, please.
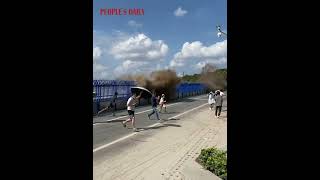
(105, 89)
(189, 89)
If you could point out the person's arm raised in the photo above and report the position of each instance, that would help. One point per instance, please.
(138, 97)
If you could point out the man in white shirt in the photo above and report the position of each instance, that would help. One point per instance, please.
(132, 101)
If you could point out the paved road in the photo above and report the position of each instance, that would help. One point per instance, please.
(108, 128)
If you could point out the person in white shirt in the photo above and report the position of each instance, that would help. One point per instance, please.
(221, 93)
(132, 101)
(211, 100)
(162, 103)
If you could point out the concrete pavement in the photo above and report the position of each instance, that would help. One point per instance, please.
(165, 151)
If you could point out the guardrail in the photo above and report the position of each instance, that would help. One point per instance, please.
(190, 89)
(105, 89)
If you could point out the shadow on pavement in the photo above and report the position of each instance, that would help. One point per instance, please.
(172, 119)
(169, 112)
(113, 121)
(165, 120)
(161, 126)
(116, 115)
(186, 100)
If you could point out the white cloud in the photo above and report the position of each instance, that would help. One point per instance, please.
(101, 39)
(200, 54)
(97, 52)
(99, 67)
(179, 74)
(174, 63)
(139, 48)
(220, 63)
(100, 71)
(130, 67)
(134, 24)
(180, 12)
(200, 65)
(121, 53)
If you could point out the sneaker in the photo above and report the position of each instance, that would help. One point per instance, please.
(124, 125)
(135, 130)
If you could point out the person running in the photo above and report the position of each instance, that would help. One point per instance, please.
(211, 100)
(221, 93)
(132, 101)
(219, 100)
(163, 103)
(154, 103)
(112, 104)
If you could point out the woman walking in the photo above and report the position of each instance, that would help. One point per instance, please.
(211, 100)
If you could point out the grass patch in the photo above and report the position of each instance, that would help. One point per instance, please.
(214, 160)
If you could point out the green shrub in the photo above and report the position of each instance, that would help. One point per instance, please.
(215, 161)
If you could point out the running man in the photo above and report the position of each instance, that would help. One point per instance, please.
(163, 103)
(154, 102)
(132, 101)
(219, 101)
(112, 105)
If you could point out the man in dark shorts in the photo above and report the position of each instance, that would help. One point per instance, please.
(132, 101)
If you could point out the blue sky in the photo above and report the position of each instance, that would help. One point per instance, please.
(178, 35)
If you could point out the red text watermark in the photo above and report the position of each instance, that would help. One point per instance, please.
(121, 11)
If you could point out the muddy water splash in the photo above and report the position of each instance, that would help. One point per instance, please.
(213, 78)
(163, 82)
